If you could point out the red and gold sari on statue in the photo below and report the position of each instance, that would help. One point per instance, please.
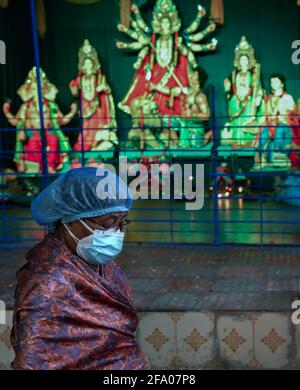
(97, 109)
(166, 77)
(70, 316)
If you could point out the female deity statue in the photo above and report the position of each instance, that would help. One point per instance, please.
(276, 139)
(28, 151)
(97, 105)
(166, 59)
(244, 98)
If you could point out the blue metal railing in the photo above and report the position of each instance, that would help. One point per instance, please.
(254, 215)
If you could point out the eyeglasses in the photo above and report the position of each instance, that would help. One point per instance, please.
(122, 225)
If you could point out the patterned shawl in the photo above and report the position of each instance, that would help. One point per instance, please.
(69, 316)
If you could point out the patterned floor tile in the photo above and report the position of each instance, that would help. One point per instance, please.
(273, 340)
(6, 351)
(156, 335)
(235, 338)
(196, 339)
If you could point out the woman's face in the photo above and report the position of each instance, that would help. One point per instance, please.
(244, 62)
(88, 66)
(276, 84)
(166, 26)
(109, 221)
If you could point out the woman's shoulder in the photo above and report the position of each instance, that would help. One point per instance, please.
(43, 275)
(42, 261)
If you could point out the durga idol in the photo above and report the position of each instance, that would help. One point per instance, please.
(166, 59)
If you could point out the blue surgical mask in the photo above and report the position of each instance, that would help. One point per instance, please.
(101, 247)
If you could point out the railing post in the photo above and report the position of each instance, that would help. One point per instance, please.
(81, 129)
(40, 92)
(214, 169)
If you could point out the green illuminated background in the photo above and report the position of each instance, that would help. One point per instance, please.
(271, 26)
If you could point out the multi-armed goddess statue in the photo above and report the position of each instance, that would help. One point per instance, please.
(165, 69)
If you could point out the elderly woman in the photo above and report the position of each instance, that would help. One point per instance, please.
(73, 307)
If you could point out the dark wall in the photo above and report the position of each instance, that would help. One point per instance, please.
(271, 26)
(15, 31)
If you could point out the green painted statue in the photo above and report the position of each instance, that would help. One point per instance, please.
(28, 152)
(244, 98)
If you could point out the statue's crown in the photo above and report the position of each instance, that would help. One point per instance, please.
(26, 90)
(243, 45)
(32, 75)
(164, 6)
(163, 9)
(88, 51)
(244, 48)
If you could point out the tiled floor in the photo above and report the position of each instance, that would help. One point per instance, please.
(202, 307)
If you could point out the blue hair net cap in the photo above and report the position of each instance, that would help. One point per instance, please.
(77, 194)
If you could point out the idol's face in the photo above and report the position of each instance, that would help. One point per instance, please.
(88, 66)
(276, 84)
(244, 62)
(165, 26)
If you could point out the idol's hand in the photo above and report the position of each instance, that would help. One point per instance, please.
(212, 46)
(201, 11)
(73, 108)
(227, 85)
(176, 91)
(212, 27)
(121, 28)
(144, 40)
(6, 108)
(120, 45)
(22, 136)
(134, 9)
(100, 88)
